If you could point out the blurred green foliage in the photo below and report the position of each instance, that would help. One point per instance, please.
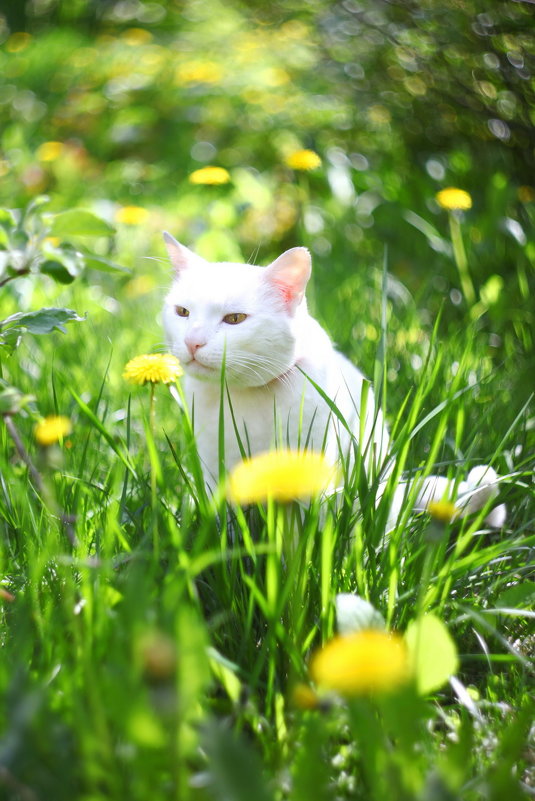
(115, 103)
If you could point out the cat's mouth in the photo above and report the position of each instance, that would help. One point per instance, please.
(196, 366)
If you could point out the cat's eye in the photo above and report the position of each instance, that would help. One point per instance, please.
(234, 318)
(181, 311)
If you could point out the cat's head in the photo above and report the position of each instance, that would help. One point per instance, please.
(244, 316)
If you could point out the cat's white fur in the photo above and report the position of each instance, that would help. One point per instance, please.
(272, 359)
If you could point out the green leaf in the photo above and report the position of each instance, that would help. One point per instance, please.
(66, 263)
(235, 768)
(42, 321)
(225, 672)
(7, 219)
(354, 613)
(59, 272)
(517, 596)
(10, 338)
(104, 265)
(78, 222)
(432, 653)
(34, 206)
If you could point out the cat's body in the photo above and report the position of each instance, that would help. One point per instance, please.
(253, 323)
(273, 358)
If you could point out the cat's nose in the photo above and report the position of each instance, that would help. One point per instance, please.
(193, 344)
(192, 347)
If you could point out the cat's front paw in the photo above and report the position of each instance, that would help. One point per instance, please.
(480, 487)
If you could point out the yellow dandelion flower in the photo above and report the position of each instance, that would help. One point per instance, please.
(369, 661)
(453, 199)
(303, 697)
(444, 511)
(51, 429)
(154, 368)
(282, 475)
(526, 194)
(210, 175)
(198, 72)
(303, 160)
(156, 653)
(131, 215)
(50, 151)
(379, 115)
(18, 41)
(136, 36)
(53, 241)
(140, 285)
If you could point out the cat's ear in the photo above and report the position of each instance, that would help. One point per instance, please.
(289, 274)
(181, 256)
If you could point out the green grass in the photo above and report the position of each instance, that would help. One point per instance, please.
(154, 640)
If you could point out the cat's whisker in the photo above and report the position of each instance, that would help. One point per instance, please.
(254, 255)
(160, 259)
(257, 367)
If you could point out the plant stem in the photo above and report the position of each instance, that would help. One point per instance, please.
(23, 453)
(459, 254)
(152, 411)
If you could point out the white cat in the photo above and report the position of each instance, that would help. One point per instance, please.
(253, 322)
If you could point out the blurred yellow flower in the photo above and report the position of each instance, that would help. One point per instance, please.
(140, 285)
(526, 194)
(453, 199)
(198, 72)
(303, 697)
(154, 368)
(294, 29)
(210, 175)
(136, 36)
(18, 41)
(274, 76)
(54, 241)
(50, 151)
(369, 661)
(378, 115)
(303, 160)
(132, 215)
(156, 653)
(282, 475)
(444, 511)
(51, 429)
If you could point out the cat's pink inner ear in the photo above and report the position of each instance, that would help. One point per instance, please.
(181, 256)
(290, 274)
